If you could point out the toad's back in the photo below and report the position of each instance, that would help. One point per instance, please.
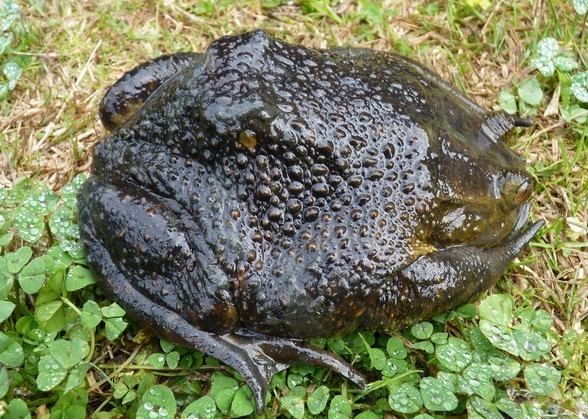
(309, 167)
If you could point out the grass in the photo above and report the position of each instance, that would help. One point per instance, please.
(72, 51)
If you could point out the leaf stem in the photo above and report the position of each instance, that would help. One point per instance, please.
(376, 385)
(71, 305)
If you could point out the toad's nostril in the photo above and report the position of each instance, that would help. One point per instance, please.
(523, 192)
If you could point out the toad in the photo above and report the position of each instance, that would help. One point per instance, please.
(262, 193)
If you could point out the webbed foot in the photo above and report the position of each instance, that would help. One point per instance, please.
(265, 356)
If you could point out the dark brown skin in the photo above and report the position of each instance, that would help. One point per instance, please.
(261, 193)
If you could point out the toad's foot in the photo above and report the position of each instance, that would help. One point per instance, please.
(259, 357)
(256, 357)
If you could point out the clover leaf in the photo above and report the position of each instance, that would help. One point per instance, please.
(497, 308)
(530, 91)
(377, 358)
(508, 102)
(30, 226)
(425, 346)
(531, 345)
(91, 314)
(448, 379)
(11, 352)
(222, 390)
(157, 402)
(565, 63)
(77, 278)
(396, 348)
(16, 260)
(6, 309)
(510, 407)
(422, 330)
(482, 408)
(394, 366)
(51, 373)
(76, 376)
(12, 71)
(17, 409)
(477, 379)
(68, 353)
(541, 379)
(579, 87)
(318, 400)
(9, 13)
(242, 404)
(339, 408)
(503, 368)
(580, 6)
(114, 327)
(113, 310)
(294, 405)
(405, 399)
(436, 396)
(549, 57)
(455, 355)
(501, 337)
(156, 360)
(32, 277)
(172, 359)
(203, 408)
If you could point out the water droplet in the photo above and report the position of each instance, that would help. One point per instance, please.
(311, 213)
(320, 189)
(529, 346)
(295, 188)
(274, 214)
(264, 192)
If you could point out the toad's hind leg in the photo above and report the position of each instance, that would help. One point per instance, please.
(282, 352)
(131, 91)
(257, 358)
(112, 222)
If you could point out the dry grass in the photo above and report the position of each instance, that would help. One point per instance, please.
(80, 48)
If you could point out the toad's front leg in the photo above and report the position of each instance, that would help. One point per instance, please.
(439, 281)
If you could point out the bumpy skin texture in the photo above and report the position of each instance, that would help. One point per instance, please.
(266, 192)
